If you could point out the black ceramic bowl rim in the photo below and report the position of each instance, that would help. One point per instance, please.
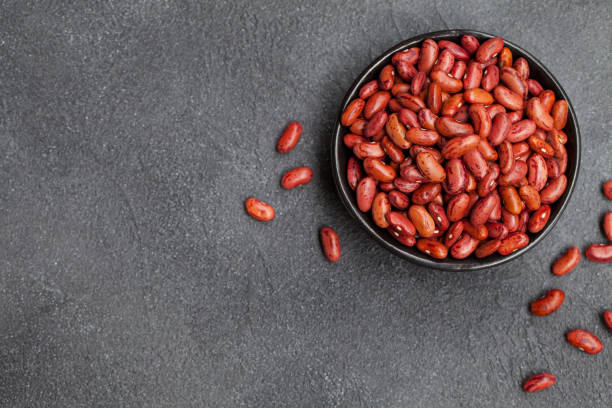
(411, 253)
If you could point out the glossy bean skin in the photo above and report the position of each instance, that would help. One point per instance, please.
(489, 49)
(506, 157)
(510, 77)
(497, 230)
(599, 253)
(489, 181)
(478, 95)
(607, 318)
(397, 131)
(584, 340)
(376, 124)
(513, 242)
(422, 221)
(530, 197)
(458, 70)
(559, 114)
(416, 86)
(470, 43)
(290, 137)
(399, 200)
(368, 89)
(538, 219)
(457, 207)
(495, 109)
(607, 189)
(511, 199)
(452, 105)
(432, 248)
(380, 208)
(534, 87)
(429, 54)
(539, 382)
(481, 210)
(354, 172)
(515, 176)
(380, 171)
(554, 190)
(473, 76)
(481, 119)
(330, 244)
(412, 102)
(487, 248)
(434, 97)
(500, 129)
(447, 82)
(426, 193)
(392, 150)
(521, 130)
(607, 225)
(541, 147)
(259, 210)
(536, 111)
(449, 127)
(351, 139)
(522, 67)
(479, 232)
(366, 189)
(386, 78)
(464, 247)
(358, 127)
(453, 234)
(376, 103)
(296, 177)
(475, 163)
(490, 78)
(505, 58)
(408, 118)
(369, 149)
(567, 262)
(549, 303)
(439, 216)
(547, 97)
(508, 98)
(430, 168)
(399, 223)
(456, 176)
(537, 177)
(458, 146)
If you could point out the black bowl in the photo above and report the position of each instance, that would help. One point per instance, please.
(340, 155)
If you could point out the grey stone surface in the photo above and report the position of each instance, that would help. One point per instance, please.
(131, 133)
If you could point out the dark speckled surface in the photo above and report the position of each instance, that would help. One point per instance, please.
(132, 132)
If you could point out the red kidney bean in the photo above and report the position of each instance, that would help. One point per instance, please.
(412, 173)
(510, 100)
(439, 216)
(523, 221)
(290, 137)
(408, 118)
(607, 225)
(410, 56)
(386, 187)
(584, 340)
(386, 78)
(380, 208)
(513, 242)
(481, 119)
(351, 139)
(553, 168)
(472, 185)
(376, 103)
(567, 262)
(434, 98)
(515, 116)
(406, 186)
(496, 230)
(399, 200)
(429, 55)
(510, 220)
(539, 382)
(482, 209)
(394, 105)
(457, 207)
(296, 177)
(259, 210)
(487, 151)
(446, 81)
(476, 163)
(495, 109)
(358, 127)
(506, 157)
(538, 175)
(489, 181)
(473, 76)
(496, 213)
(464, 247)
(393, 151)
(470, 43)
(366, 189)
(400, 88)
(432, 248)
(607, 189)
(490, 78)
(559, 114)
(422, 220)
(370, 149)
(515, 176)
(445, 62)
(505, 58)
(478, 95)
(540, 146)
(548, 303)
(376, 168)
(500, 129)
(510, 198)
(410, 101)
(452, 105)
(426, 193)
(462, 114)
(400, 223)
(554, 190)
(547, 98)
(458, 70)
(487, 248)
(530, 197)
(489, 49)
(430, 168)
(537, 112)
(456, 177)
(534, 87)
(599, 253)
(522, 67)
(456, 50)
(354, 173)
(511, 78)
(427, 119)
(538, 219)
(368, 89)
(449, 127)
(521, 130)
(376, 123)
(607, 318)
(416, 149)
(417, 83)
(453, 234)
(330, 244)
(405, 71)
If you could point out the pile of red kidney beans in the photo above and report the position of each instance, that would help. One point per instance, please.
(457, 151)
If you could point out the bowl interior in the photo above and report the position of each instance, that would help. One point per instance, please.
(341, 154)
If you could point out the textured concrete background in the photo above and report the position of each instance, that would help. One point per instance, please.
(132, 131)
